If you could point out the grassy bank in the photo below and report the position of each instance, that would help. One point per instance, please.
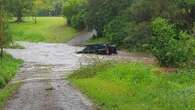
(47, 29)
(8, 69)
(97, 41)
(6, 92)
(135, 86)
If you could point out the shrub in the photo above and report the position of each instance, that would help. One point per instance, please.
(138, 36)
(171, 48)
(101, 12)
(5, 37)
(72, 8)
(2, 82)
(128, 34)
(116, 30)
(8, 68)
(78, 20)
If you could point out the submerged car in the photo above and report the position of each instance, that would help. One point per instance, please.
(104, 49)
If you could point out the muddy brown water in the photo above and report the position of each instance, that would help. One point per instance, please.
(43, 76)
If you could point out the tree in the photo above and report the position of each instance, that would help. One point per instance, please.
(48, 7)
(170, 47)
(36, 6)
(5, 38)
(18, 8)
(72, 8)
(101, 12)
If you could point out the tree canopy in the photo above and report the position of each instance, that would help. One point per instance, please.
(129, 24)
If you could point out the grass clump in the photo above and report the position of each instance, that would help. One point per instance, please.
(6, 93)
(47, 29)
(135, 86)
(8, 69)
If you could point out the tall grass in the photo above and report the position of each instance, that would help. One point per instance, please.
(135, 86)
(6, 92)
(8, 69)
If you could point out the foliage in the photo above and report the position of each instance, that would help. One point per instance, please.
(169, 46)
(73, 9)
(101, 12)
(127, 23)
(139, 36)
(48, 29)
(117, 30)
(128, 34)
(78, 21)
(8, 69)
(19, 8)
(125, 86)
(47, 7)
(6, 93)
(5, 37)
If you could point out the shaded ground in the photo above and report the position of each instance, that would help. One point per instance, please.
(42, 76)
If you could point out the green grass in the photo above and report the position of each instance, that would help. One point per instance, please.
(6, 93)
(98, 40)
(47, 29)
(8, 69)
(135, 86)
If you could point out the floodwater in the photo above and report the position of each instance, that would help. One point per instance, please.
(44, 72)
(43, 78)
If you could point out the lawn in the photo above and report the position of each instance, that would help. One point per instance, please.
(47, 29)
(8, 69)
(135, 86)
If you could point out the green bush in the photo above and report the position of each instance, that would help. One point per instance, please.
(116, 30)
(128, 34)
(171, 48)
(101, 12)
(5, 37)
(2, 82)
(72, 8)
(78, 20)
(8, 68)
(138, 37)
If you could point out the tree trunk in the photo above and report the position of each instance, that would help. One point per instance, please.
(19, 17)
(35, 20)
(1, 53)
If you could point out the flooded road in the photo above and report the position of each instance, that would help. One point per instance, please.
(43, 78)
(46, 66)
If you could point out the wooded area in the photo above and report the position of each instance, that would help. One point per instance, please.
(164, 28)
